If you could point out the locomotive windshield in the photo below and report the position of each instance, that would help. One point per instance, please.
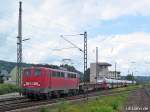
(27, 72)
(37, 72)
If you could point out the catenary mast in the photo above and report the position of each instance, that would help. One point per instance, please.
(19, 47)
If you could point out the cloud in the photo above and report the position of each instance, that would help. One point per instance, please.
(126, 49)
(45, 21)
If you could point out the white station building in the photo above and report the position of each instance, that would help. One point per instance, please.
(101, 71)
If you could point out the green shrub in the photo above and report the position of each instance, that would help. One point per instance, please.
(73, 109)
(115, 105)
(62, 107)
(100, 104)
(8, 88)
(44, 109)
(101, 109)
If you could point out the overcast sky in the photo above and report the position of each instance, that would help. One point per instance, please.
(120, 28)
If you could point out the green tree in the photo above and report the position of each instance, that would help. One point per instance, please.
(69, 67)
(130, 77)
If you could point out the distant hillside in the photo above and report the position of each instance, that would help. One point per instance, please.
(7, 65)
(11, 68)
(10, 65)
(140, 79)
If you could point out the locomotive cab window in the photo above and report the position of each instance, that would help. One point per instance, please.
(37, 72)
(27, 72)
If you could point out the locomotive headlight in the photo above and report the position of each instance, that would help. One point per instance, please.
(38, 84)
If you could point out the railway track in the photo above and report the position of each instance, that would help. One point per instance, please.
(138, 101)
(10, 105)
(147, 90)
(11, 99)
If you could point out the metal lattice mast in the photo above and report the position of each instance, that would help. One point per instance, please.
(96, 65)
(19, 47)
(85, 61)
(85, 57)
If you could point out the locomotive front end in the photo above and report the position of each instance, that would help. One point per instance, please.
(33, 81)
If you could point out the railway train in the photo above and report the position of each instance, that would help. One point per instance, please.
(42, 82)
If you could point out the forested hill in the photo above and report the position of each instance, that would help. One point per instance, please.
(5, 65)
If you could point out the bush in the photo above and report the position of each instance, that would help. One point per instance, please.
(101, 109)
(8, 88)
(62, 107)
(73, 109)
(115, 105)
(44, 109)
(101, 104)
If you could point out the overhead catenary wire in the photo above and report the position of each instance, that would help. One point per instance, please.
(56, 49)
(71, 43)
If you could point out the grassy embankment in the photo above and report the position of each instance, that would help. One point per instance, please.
(8, 88)
(128, 88)
(102, 104)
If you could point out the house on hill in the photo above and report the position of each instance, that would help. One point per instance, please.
(4, 76)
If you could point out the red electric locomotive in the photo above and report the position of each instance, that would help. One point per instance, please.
(42, 81)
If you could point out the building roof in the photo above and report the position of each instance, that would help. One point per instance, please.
(104, 64)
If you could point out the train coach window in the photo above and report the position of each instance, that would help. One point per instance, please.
(27, 72)
(37, 72)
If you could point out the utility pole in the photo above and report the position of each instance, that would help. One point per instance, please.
(85, 61)
(85, 57)
(96, 65)
(19, 47)
(132, 77)
(115, 70)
